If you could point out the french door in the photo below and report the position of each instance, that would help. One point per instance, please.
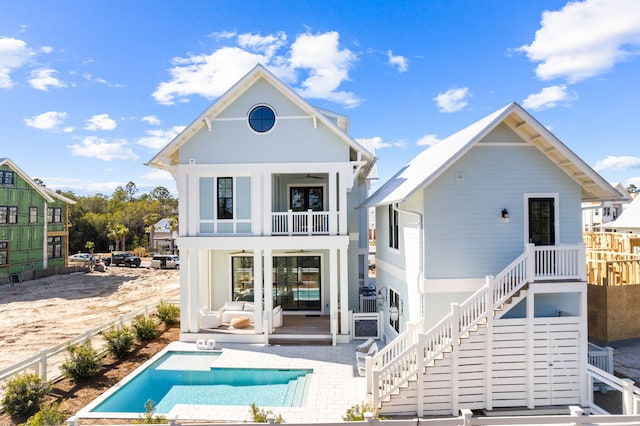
(296, 283)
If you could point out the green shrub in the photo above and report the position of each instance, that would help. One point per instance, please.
(356, 412)
(149, 418)
(144, 328)
(49, 415)
(258, 415)
(24, 393)
(119, 341)
(83, 362)
(168, 313)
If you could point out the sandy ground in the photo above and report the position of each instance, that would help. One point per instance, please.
(43, 313)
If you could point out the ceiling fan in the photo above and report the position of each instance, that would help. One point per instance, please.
(243, 251)
(297, 251)
(309, 176)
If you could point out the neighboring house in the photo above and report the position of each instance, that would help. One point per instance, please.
(597, 215)
(481, 270)
(163, 236)
(268, 189)
(629, 220)
(34, 225)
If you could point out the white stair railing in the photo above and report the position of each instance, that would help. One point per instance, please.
(387, 373)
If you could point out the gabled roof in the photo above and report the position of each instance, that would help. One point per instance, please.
(47, 194)
(167, 158)
(629, 218)
(432, 162)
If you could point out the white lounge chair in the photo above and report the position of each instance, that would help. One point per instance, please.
(361, 358)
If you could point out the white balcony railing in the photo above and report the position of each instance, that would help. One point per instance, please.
(300, 223)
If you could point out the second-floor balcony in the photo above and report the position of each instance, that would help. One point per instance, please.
(302, 223)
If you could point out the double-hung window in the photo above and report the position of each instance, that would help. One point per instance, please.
(54, 215)
(8, 214)
(7, 177)
(4, 253)
(54, 247)
(33, 215)
(225, 198)
(393, 227)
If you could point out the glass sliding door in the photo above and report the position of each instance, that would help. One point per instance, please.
(296, 282)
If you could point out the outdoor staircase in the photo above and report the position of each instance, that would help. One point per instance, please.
(418, 364)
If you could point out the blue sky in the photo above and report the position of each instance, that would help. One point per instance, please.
(91, 90)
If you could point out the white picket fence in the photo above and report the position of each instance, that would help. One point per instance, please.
(46, 363)
(576, 417)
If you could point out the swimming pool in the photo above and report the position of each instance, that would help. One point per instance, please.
(192, 378)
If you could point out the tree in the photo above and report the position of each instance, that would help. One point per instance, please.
(173, 225)
(150, 220)
(631, 189)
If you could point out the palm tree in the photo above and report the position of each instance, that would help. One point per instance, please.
(149, 221)
(173, 225)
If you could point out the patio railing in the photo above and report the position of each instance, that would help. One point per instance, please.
(300, 223)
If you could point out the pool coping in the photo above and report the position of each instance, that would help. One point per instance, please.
(333, 388)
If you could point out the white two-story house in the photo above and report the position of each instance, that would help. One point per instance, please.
(269, 188)
(482, 272)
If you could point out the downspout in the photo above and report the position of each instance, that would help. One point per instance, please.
(420, 248)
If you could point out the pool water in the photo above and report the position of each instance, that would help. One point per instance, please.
(190, 378)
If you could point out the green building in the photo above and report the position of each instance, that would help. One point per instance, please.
(34, 226)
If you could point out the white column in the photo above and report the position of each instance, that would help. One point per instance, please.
(333, 204)
(267, 206)
(188, 213)
(268, 285)
(259, 200)
(192, 295)
(333, 291)
(344, 292)
(257, 289)
(530, 318)
(342, 183)
(583, 345)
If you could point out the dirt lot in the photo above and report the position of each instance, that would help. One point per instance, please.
(43, 313)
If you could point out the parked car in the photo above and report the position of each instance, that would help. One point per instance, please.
(123, 259)
(80, 258)
(165, 261)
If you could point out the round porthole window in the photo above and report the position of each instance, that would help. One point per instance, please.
(262, 119)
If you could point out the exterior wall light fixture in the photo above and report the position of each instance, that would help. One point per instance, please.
(381, 297)
(505, 214)
(393, 313)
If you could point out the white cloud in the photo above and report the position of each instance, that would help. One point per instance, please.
(378, 143)
(398, 61)
(47, 120)
(100, 122)
(157, 139)
(453, 99)
(585, 39)
(151, 119)
(158, 175)
(318, 59)
(328, 67)
(548, 97)
(428, 140)
(14, 54)
(44, 78)
(617, 163)
(206, 75)
(267, 45)
(102, 149)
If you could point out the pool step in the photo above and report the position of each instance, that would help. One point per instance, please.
(295, 391)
